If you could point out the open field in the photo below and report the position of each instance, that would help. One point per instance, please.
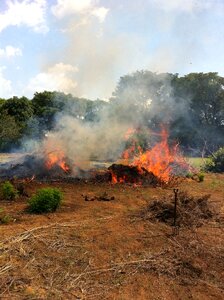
(197, 162)
(108, 250)
(5, 157)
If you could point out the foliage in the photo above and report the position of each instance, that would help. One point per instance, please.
(189, 175)
(201, 177)
(216, 164)
(9, 131)
(5, 219)
(2, 101)
(45, 200)
(19, 108)
(8, 191)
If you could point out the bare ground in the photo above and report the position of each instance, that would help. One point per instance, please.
(106, 250)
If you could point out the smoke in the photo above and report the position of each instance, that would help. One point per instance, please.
(81, 141)
(105, 139)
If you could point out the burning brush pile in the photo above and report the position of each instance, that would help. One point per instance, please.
(156, 166)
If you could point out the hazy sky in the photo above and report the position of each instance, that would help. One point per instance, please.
(84, 46)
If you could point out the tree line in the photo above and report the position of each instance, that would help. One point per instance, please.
(192, 106)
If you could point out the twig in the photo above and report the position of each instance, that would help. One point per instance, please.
(25, 235)
(5, 268)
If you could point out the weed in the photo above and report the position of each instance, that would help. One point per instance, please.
(189, 175)
(8, 191)
(45, 200)
(201, 177)
(4, 219)
(216, 164)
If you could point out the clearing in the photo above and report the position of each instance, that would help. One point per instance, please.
(107, 249)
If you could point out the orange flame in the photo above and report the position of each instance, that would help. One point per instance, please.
(57, 158)
(159, 160)
(116, 179)
(128, 153)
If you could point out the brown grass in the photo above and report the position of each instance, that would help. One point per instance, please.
(104, 250)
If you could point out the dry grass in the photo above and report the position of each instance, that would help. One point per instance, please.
(190, 211)
(98, 250)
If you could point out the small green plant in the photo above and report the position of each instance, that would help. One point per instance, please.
(4, 219)
(201, 177)
(8, 191)
(216, 163)
(45, 200)
(189, 175)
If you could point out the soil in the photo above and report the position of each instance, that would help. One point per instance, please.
(107, 249)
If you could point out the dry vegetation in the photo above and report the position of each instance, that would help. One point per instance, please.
(113, 249)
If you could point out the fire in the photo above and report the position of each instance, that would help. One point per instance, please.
(128, 153)
(57, 158)
(116, 179)
(160, 158)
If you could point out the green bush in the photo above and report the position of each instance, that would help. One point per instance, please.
(216, 164)
(6, 219)
(45, 200)
(8, 191)
(189, 175)
(201, 177)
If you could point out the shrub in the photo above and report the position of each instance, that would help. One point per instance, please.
(8, 191)
(45, 200)
(4, 219)
(216, 164)
(189, 175)
(201, 177)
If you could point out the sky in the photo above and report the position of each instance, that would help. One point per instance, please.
(83, 47)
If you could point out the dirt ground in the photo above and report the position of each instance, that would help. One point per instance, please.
(107, 250)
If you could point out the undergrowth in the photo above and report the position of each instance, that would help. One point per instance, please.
(8, 192)
(45, 200)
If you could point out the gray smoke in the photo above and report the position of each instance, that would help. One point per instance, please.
(105, 139)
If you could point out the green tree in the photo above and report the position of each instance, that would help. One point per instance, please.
(19, 108)
(204, 114)
(1, 102)
(9, 131)
(206, 94)
(46, 105)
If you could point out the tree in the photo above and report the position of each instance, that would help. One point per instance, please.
(2, 101)
(144, 95)
(19, 108)
(204, 116)
(206, 94)
(9, 131)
